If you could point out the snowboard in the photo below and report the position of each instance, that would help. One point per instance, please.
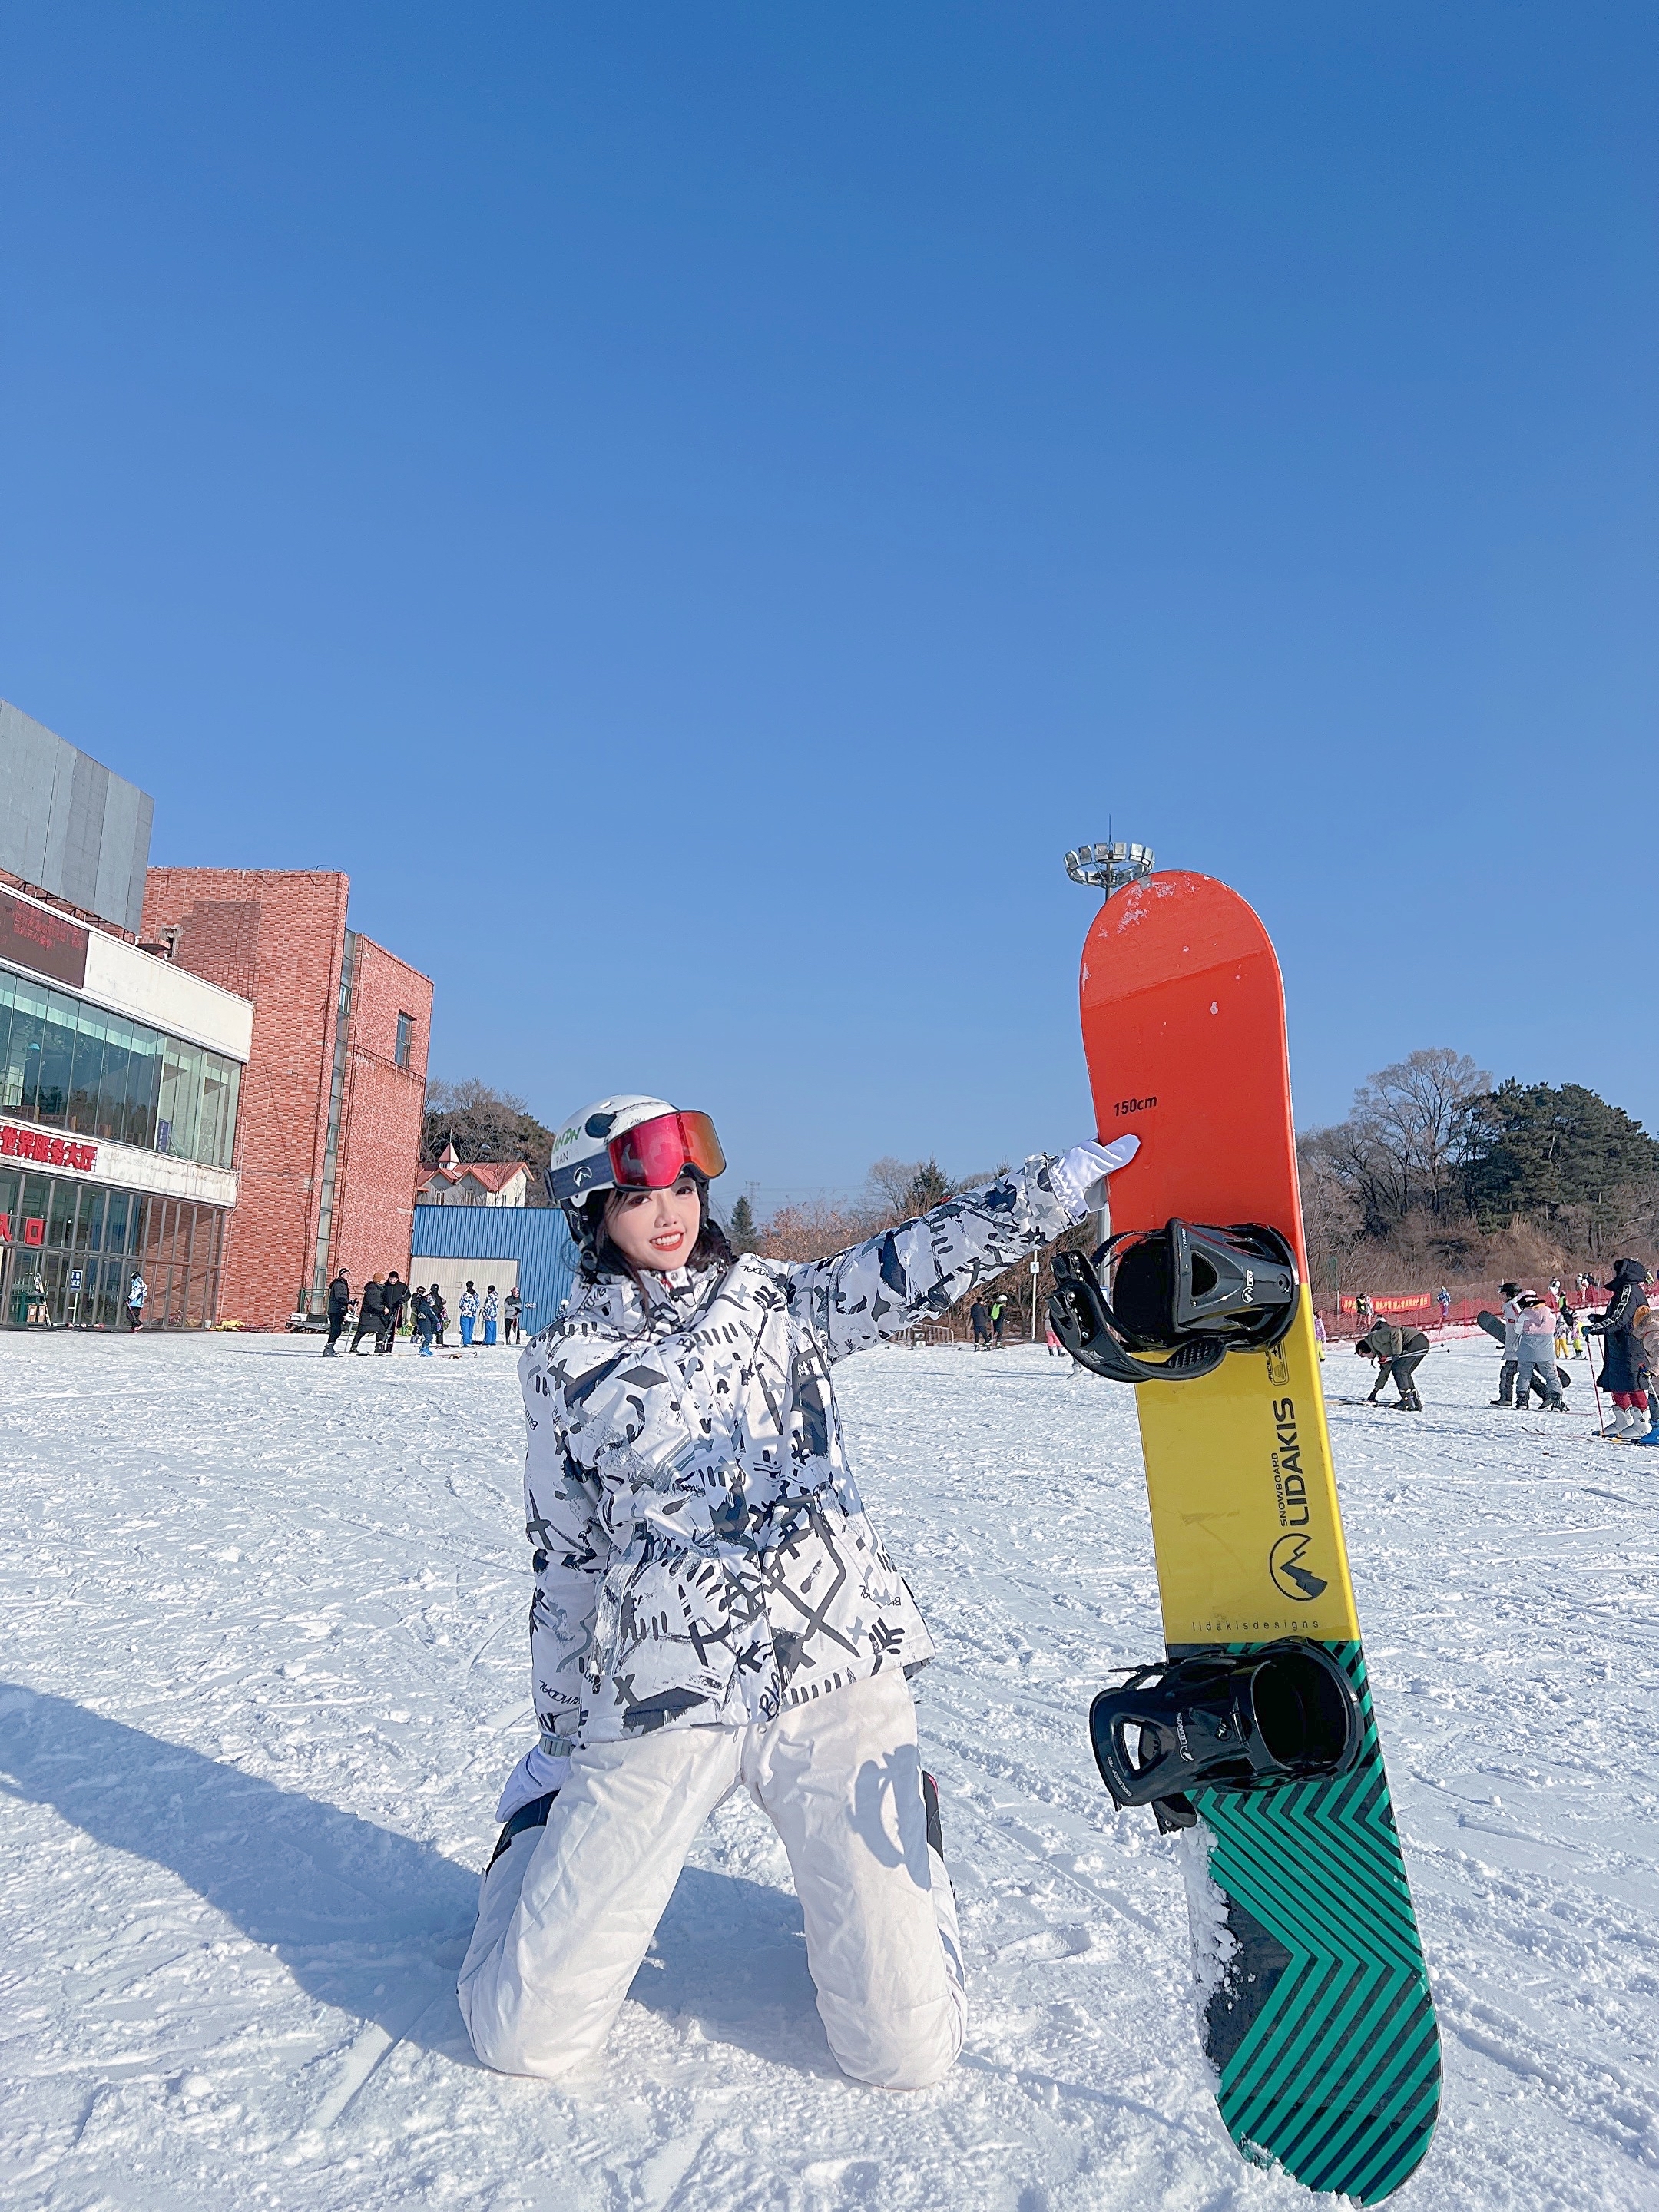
(1317, 2017)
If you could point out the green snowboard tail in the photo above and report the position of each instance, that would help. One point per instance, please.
(1319, 2024)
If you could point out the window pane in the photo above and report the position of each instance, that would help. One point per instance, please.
(144, 1085)
(111, 1118)
(22, 1071)
(180, 1102)
(61, 1217)
(85, 1072)
(116, 1222)
(213, 1105)
(57, 1050)
(227, 1126)
(90, 1230)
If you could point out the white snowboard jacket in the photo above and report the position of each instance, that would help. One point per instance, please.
(692, 1566)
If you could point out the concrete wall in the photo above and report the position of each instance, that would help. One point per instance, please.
(67, 825)
(167, 996)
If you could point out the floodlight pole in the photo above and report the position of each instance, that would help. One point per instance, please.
(1105, 868)
(1108, 868)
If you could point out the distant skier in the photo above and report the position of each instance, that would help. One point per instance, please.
(491, 1312)
(1398, 1353)
(1645, 1323)
(426, 1320)
(1511, 1315)
(371, 1313)
(339, 1306)
(395, 1291)
(511, 1307)
(1536, 1353)
(713, 1605)
(1320, 1337)
(138, 1297)
(999, 1319)
(979, 1315)
(1443, 1299)
(467, 1306)
(1624, 1368)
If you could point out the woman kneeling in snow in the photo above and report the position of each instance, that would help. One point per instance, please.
(713, 1605)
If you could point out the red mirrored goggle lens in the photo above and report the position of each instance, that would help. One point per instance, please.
(653, 1155)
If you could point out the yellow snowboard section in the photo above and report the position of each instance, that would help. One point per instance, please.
(1243, 1499)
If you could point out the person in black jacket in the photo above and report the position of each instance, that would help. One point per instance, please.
(1398, 1353)
(395, 1292)
(1623, 1360)
(371, 1312)
(339, 1307)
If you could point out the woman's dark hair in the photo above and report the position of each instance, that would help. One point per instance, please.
(599, 1256)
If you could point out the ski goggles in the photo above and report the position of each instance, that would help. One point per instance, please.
(654, 1154)
(651, 1156)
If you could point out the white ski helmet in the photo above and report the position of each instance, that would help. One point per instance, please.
(591, 1156)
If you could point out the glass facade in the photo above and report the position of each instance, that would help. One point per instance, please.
(69, 1250)
(73, 1066)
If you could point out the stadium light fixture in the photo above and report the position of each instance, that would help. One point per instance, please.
(1107, 868)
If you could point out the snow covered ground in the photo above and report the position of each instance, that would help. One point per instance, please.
(264, 1673)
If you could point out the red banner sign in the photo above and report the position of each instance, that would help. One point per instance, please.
(50, 943)
(1413, 1303)
(50, 1151)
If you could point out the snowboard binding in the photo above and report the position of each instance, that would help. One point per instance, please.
(1189, 1292)
(1217, 1720)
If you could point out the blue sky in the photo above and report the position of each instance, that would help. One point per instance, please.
(696, 507)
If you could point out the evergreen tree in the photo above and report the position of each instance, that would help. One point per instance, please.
(743, 1226)
(1540, 1149)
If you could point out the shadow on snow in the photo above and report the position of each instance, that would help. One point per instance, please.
(372, 1922)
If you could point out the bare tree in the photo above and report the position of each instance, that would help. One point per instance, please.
(1331, 1213)
(1409, 1134)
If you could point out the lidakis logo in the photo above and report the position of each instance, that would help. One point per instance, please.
(1286, 1563)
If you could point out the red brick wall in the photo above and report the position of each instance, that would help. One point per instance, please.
(278, 937)
(380, 1123)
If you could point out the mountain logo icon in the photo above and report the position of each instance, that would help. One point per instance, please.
(1287, 1564)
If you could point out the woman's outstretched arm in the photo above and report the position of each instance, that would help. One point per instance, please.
(876, 1288)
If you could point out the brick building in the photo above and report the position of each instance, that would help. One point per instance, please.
(328, 1136)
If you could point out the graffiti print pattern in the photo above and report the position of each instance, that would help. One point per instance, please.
(702, 1554)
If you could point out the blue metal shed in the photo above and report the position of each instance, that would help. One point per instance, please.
(534, 1235)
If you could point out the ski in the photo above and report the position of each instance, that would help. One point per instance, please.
(1254, 1734)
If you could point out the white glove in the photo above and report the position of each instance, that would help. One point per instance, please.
(1078, 1178)
(536, 1773)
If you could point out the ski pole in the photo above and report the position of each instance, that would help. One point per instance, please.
(1596, 1387)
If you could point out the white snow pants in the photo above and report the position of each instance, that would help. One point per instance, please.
(567, 1913)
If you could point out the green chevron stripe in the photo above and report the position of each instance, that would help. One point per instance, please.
(1418, 2088)
(1335, 2074)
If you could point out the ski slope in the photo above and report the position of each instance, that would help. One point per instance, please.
(264, 1674)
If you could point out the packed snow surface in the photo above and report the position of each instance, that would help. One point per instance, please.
(265, 1630)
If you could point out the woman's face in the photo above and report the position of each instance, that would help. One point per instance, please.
(655, 1228)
